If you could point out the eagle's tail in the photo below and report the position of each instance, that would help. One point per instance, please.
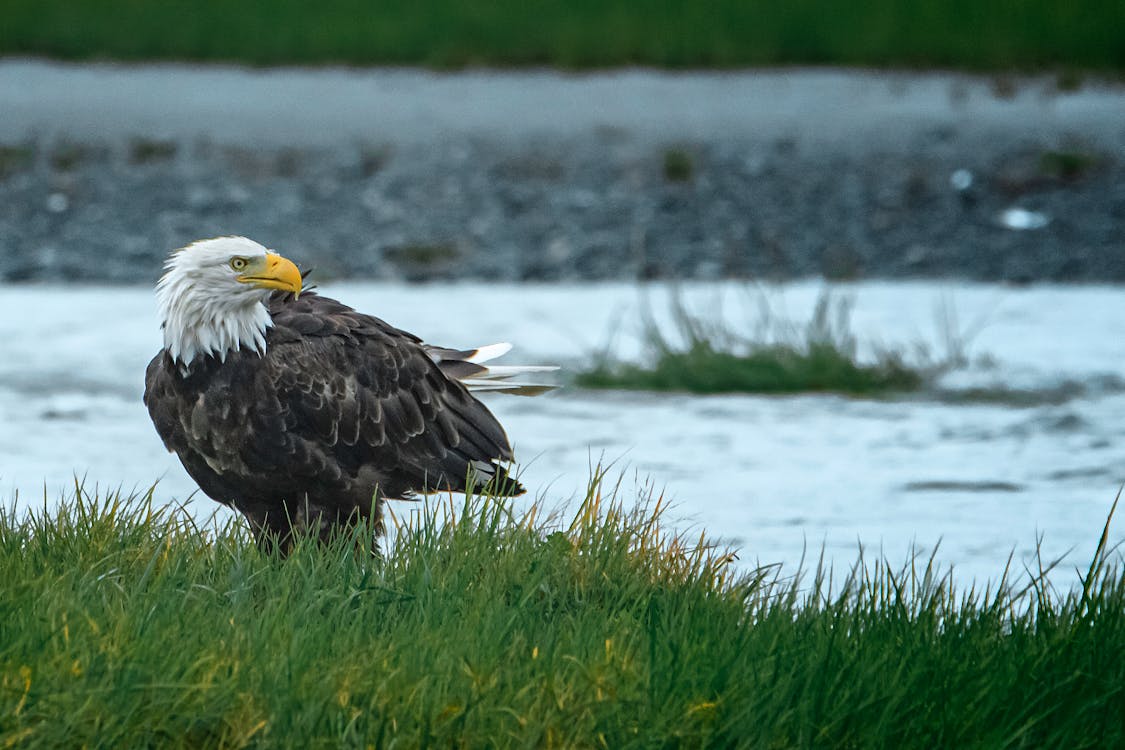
(494, 478)
(465, 365)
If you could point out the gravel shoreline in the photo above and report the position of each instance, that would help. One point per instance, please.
(407, 174)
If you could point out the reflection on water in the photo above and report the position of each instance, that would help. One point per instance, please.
(969, 466)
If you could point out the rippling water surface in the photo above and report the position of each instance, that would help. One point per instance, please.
(1028, 443)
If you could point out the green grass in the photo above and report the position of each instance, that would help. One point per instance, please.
(124, 625)
(993, 35)
(820, 356)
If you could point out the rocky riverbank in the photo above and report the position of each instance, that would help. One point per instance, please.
(542, 176)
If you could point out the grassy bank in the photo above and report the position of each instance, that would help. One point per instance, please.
(981, 35)
(125, 626)
(767, 355)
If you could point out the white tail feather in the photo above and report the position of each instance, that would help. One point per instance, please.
(514, 389)
(499, 372)
(496, 378)
(492, 351)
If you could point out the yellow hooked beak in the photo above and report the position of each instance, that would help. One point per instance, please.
(273, 272)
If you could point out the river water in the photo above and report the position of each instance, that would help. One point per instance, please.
(1025, 446)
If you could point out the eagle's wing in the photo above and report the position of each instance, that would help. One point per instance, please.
(354, 390)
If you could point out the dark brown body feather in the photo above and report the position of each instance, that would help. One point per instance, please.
(341, 411)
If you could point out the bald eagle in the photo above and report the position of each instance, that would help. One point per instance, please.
(303, 414)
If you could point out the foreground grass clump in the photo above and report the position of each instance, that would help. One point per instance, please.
(708, 357)
(992, 35)
(122, 625)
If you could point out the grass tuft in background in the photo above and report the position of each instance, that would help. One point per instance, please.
(491, 622)
(822, 355)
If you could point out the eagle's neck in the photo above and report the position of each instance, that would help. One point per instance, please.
(197, 323)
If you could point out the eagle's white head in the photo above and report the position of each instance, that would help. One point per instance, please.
(212, 297)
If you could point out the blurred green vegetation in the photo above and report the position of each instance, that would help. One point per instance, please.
(988, 35)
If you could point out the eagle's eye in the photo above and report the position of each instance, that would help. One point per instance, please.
(239, 264)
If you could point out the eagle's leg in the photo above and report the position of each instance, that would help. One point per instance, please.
(272, 530)
(362, 525)
(276, 531)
